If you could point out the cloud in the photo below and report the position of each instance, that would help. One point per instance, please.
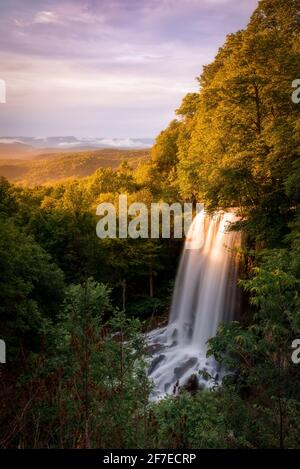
(123, 65)
(46, 17)
(9, 141)
(140, 59)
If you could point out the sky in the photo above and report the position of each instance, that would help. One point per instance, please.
(106, 68)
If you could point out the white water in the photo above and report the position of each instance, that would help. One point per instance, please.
(205, 294)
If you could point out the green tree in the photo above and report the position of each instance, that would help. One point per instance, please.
(31, 289)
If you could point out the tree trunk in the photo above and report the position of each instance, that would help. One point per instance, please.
(151, 287)
(258, 111)
(124, 294)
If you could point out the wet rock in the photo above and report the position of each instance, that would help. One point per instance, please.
(192, 385)
(176, 388)
(174, 343)
(155, 363)
(153, 348)
(179, 371)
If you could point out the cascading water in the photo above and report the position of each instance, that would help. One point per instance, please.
(205, 294)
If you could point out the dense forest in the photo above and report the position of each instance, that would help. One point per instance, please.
(74, 308)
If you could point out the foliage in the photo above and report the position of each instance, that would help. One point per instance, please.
(258, 356)
(89, 385)
(31, 289)
(77, 375)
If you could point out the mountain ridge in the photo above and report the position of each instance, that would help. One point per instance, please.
(51, 167)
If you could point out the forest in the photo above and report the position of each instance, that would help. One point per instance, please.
(41, 167)
(74, 308)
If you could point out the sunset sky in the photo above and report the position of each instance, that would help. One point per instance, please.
(106, 68)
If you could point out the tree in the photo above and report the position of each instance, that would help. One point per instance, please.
(258, 355)
(31, 289)
(90, 386)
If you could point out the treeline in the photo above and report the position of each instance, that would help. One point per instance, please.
(71, 305)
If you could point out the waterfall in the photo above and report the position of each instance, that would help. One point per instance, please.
(205, 294)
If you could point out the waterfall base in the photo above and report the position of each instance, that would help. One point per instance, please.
(174, 367)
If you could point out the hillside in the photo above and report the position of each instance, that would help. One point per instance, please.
(15, 149)
(52, 167)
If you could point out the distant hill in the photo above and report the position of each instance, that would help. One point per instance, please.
(16, 145)
(15, 149)
(53, 167)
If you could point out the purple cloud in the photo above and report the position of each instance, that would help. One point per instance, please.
(106, 67)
